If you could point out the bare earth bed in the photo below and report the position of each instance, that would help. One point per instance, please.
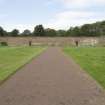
(51, 79)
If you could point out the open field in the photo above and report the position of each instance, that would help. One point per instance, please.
(90, 59)
(12, 58)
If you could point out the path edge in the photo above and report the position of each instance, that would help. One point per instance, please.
(18, 69)
(82, 70)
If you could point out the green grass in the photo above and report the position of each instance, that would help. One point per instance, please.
(92, 60)
(12, 58)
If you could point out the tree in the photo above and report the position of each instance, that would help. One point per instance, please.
(26, 32)
(85, 30)
(91, 29)
(15, 32)
(61, 33)
(2, 32)
(50, 32)
(102, 28)
(69, 32)
(95, 29)
(76, 31)
(39, 30)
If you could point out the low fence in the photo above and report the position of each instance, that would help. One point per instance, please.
(58, 41)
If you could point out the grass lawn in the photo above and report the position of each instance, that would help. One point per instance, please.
(90, 59)
(12, 58)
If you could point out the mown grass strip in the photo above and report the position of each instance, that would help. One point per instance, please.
(91, 59)
(12, 58)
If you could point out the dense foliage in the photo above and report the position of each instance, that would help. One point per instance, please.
(95, 29)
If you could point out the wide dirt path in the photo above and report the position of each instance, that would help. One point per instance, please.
(51, 79)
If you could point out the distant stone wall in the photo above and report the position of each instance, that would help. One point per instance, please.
(50, 40)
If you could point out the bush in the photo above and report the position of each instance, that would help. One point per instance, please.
(3, 43)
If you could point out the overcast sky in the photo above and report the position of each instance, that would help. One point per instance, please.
(58, 14)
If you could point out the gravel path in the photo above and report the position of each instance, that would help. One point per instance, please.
(51, 79)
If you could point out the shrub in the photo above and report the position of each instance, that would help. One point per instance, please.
(3, 43)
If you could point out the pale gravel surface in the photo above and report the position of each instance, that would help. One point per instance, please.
(51, 79)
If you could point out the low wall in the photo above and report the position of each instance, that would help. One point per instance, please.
(50, 40)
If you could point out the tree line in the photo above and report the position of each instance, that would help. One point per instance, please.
(95, 29)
